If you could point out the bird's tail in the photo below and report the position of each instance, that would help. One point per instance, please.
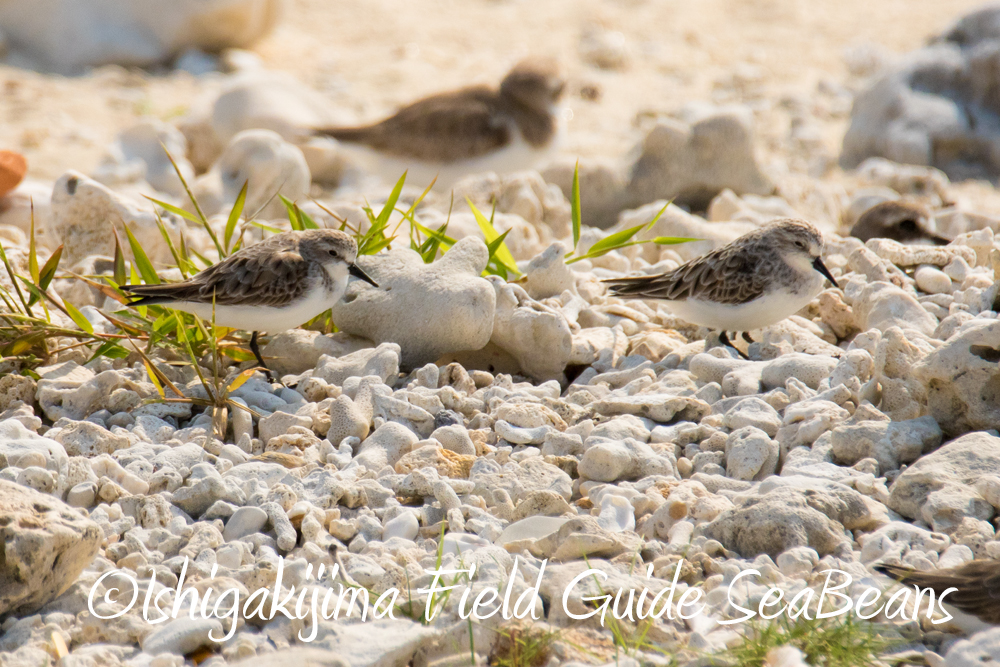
(634, 286)
(896, 572)
(342, 133)
(148, 295)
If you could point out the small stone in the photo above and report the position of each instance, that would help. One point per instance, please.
(451, 288)
(932, 280)
(82, 495)
(182, 636)
(244, 521)
(405, 526)
(617, 514)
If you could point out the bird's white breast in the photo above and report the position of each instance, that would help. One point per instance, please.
(271, 319)
(763, 311)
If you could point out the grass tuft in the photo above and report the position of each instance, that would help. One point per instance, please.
(523, 646)
(830, 642)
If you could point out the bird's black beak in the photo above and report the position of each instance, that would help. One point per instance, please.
(821, 267)
(356, 271)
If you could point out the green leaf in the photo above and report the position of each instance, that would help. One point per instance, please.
(119, 271)
(141, 260)
(32, 249)
(267, 228)
(194, 202)
(490, 233)
(293, 213)
(78, 318)
(111, 350)
(618, 239)
(390, 203)
(495, 245)
(234, 214)
(574, 205)
(376, 246)
(174, 209)
(673, 240)
(48, 271)
(13, 280)
(240, 380)
(170, 244)
(307, 221)
(44, 277)
(154, 378)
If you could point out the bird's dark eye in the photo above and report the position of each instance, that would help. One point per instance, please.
(908, 225)
(800, 244)
(333, 253)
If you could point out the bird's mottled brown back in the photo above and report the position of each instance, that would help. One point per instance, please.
(269, 273)
(450, 126)
(730, 275)
(727, 275)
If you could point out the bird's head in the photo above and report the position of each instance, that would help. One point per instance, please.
(800, 244)
(535, 83)
(333, 249)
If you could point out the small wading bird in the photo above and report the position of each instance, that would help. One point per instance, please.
(899, 221)
(468, 131)
(756, 281)
(975, 598)
(271, 286)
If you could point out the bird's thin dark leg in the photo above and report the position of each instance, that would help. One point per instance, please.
(724, 340)
(747, 338)
(255, 348)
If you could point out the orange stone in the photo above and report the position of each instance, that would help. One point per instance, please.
(13, 167)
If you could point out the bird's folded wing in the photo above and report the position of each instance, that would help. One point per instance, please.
(266, 279)
(442, 128)
(723, 276)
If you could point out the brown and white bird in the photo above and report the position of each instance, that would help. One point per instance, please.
(471, 130)
(975, 602)
(900, 221)
(756, 281)
(271, 286)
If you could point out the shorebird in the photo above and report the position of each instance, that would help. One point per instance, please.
(975, 597)
(271, 286)
(753, 282)
(472, 130)
(899, 221)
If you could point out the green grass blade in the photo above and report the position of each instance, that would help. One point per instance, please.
(267, 228)
(307, 221)
(78, 318)
(495, 245)
(32, 249)
(174, 209)
(619, 239)
(574, 205)
(672, 240)
(376, 246)
(170, 244)
(119, 271)
(234, 215)
(390, 203)
(48, 271)
(503, 255)
(293, 213)
(109, 349)
(141, 260)
(13, 280)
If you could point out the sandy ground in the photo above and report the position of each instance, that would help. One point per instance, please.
(784, 57)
